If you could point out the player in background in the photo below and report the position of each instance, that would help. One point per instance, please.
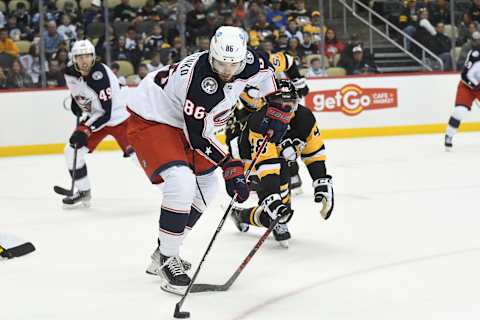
(302, 138)
(100, 106)
(175, 114)
(467, 91)
(284, 65)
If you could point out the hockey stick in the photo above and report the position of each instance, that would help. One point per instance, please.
(185, 314)
(63, 191)
(203, 287)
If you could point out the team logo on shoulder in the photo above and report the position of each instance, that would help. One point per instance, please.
(250, 57)
(209, 85)
(97, 75)
(475, 54)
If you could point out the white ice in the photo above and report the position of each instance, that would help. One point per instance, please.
(402, 243)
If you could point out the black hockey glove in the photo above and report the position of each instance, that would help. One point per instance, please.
(324, 194)
(80, 136)
(276, 120)
(235, 181)
(274, 206)
(301, 86)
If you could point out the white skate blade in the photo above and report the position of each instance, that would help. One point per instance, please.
(153, 269)
(81, 204)
(167, 287)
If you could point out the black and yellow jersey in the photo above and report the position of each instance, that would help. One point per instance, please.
(282, 63)
(303, 131)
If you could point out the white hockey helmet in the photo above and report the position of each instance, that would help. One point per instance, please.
(82, 47)
(228, 47)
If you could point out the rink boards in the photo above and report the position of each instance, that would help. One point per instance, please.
(35, 121)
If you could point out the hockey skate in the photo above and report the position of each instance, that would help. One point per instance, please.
(235, 214)
(78, 198)
(296, 184)
(448, 143)
(173, 276)
(154, 267)
(281, 234)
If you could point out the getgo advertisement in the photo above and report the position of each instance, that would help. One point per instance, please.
(352, 99)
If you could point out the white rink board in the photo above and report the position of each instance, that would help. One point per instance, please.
(38, 117)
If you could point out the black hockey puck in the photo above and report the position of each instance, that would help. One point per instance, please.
(180, 314)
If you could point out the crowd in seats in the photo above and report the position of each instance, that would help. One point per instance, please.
(144, 34)
(430, 23)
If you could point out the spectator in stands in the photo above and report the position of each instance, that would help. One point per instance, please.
(332, 46)
(443, 46)
(3, 78)
(133, 47)
(224, 8)
(466, 28)
(473, 42)
(54, 74)
(299, 12)
(176, 51)
(116, 71)
(142, 73)
(308, 48)
(408, 21)
(282, 43)
(23, 17)
(70, 9)
(194, 21)
(315, 27)
(80, 33)
(275, 16)
(7, 46)
(293, 31)
(155, 63)
(261, 31)
(17, 78)
(253, 12)
(62, 57)
(148, 12)
(203, 44)
(14, 30)
(316, 69)
(425, 32)
(31, 63)
(93, 14)
(209, 28)
(67, 30)
(360, 64)
(154, 42)
(474, 10)
(293, 49)
(440, 12)
(118, 50)
(124, 11)
(51, 38)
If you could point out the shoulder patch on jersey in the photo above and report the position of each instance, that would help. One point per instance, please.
(209, 85)
(97, 75)
(250, 57)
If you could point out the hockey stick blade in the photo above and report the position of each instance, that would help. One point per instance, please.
(204, 287)
(62, 191)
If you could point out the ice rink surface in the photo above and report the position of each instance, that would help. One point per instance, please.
(403, 241)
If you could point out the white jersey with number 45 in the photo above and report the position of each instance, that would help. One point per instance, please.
(190, 96)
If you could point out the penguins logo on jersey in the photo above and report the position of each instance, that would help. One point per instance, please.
(84, 103)
(97, 75)
(209, 85)
(250, 57)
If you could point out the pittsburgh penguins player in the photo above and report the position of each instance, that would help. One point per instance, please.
(302, 139)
